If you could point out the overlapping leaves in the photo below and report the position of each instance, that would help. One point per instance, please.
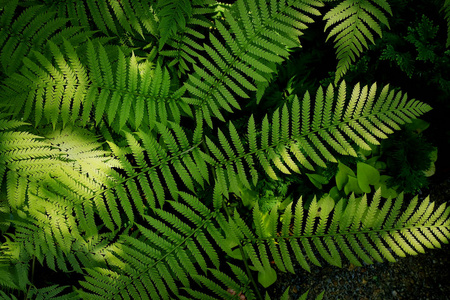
(61, 88)
(308, 134)
(250, 41)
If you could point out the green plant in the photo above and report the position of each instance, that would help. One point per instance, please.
(423, 39)
(134, 160)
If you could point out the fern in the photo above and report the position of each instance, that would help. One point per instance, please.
(150, 265)
(172, 15)
(358, 230)
(185, 42)
(67, 91)
(297, 137)
(47, 293)
(352, 23)
(153, 266)
(33, 28)
(114, 169)
(446, 10)
(256, 37)
(110, 17)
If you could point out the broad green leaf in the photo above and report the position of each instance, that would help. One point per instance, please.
(268, 277)
(342, 175)
(352, 186)
(367, 175)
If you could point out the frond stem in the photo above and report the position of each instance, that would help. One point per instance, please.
(244, 258)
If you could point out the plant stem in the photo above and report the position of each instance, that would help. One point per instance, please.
(32, 277)
(244, 258)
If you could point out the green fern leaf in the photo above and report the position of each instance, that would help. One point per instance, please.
(110, 17)
(172, 15)
(349, 232)
(160, 263)
(66, 90)
(351, 23)
(248, 54)
(316, 139)
(446, 11)
(34, 26)
(185, 34)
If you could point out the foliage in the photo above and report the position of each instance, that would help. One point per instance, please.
(422, 36)
(136, 157)
(352, 23)
(410, 158)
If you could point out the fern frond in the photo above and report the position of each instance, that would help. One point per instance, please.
(52, 292)
(157, 265)
(52, 237)
(352, 23)
(172, 18)
(256, 39)
(34, 26)
(66, 169)
(110, 17)
(185, 46)
(61, 88)
(446, 10)
(291, 141)
(170, 161)
(368, 237)
(228, 287)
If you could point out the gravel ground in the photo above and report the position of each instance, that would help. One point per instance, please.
(424, 276)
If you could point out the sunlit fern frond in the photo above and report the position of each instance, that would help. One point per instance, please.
(358, 229)
(309, 132)
(352, 24)
(66, 169)
(118, 90)
(50, 182)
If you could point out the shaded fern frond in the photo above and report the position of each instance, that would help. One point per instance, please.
(157, 168)
(62, 89)
(446, 11)
(116, 17)
(352, 24)
(308, 133)
(249, 43)
(52, 292)
(185, 46)
(224, 286)
(169, 251)
(52, 237)
(31, 30)
(359, 229)
(172, 15)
